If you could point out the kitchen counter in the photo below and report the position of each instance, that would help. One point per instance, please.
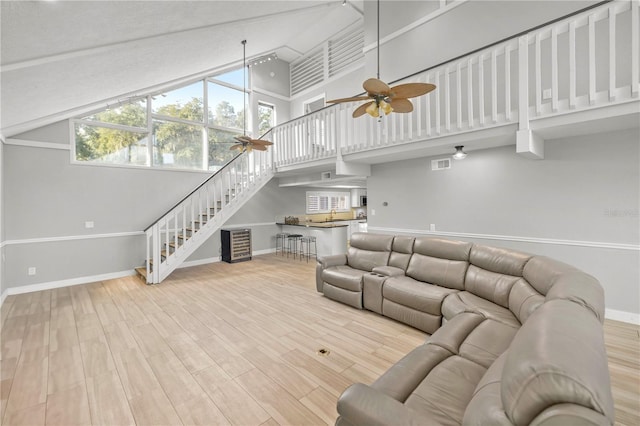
(316, 224)
(331, 237)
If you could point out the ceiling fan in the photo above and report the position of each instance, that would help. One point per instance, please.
(247, 143)
(381, 97)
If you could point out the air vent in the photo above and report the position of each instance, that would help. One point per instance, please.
(441, 164)
(325, 175)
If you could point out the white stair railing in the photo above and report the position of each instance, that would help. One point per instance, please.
(588, 60)
(172, 238)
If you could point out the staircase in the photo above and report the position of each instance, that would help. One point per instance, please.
(172, 238)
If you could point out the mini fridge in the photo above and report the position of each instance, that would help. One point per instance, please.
(236, 245)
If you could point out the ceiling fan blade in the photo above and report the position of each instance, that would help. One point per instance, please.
(410, 90)
(238, 146)
(259, 147)
(242, 138)
(376, 86)
(401, 105)
(261, 142)
(361, 110)
(353, 99)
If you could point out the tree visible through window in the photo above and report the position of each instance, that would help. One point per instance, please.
(266, 117)
(185, 129)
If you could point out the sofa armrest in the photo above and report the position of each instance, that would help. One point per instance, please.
(360, 404)
(327, 262)
(388, 271)
(332, 260)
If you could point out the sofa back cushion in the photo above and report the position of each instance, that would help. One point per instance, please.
(494, 272)
(401, 251)
(557, 357)
(366, 251)
(438, 261)
(557, 280)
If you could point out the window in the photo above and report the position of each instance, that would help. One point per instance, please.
(266, 117)
(324, 202)
(114, 136)
(185, 129)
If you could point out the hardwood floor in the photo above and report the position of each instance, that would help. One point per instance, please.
(214, 344)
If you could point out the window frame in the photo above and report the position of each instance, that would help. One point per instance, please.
(151, 117)
(330, 195)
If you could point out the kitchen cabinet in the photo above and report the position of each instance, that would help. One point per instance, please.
(355, 196)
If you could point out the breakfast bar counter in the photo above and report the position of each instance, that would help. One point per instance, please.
(331, 237)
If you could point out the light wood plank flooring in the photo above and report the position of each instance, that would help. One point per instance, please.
(214, 344)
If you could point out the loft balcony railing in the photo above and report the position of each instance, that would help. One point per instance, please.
(589, 60)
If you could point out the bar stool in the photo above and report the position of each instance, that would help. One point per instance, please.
(280, 238)
(305, 247)
(293, 240)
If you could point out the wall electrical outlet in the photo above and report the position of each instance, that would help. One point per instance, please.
(432, 227)
(546, 94)
(31, 270)
(88, 224)
(373, 212)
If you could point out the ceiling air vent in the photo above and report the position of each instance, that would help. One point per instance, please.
(441, 164)
(325, 175)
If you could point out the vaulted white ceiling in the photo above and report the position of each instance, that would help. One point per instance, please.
(58, 56)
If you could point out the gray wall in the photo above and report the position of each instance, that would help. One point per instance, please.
(2, 256)
(48, 199)
(586, 190)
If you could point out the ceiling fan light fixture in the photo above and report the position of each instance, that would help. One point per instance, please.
(459, 154)
(372, 110)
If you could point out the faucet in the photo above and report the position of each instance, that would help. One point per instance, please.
(331, 215)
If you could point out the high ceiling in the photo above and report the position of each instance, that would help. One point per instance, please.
(58, 56)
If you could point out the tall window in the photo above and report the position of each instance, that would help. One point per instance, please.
(181, 128)
(266, 117)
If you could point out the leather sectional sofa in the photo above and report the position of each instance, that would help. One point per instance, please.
(514, 338)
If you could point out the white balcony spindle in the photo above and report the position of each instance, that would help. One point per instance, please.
(612, 54)
(572, 65)
(538, 75)
(592, 60)
(481, 89)
(507, 82)
(437, 100)
(470, 92)
(447, 100)
(554, 69)
(459, 95)
(494, 87)
(635, 48)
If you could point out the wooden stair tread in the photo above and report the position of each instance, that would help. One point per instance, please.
(142, 271)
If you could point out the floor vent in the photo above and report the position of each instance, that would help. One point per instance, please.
(441, 164)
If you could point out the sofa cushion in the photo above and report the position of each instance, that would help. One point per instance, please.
(489, 285)
(447, 389)
(344, 276)
(441, 248)
(523, 300)
(500, 260)
(366, 260)
(487, 342)
(417, 319)
(401, 251)
(550, 363)
(405, 375)
(485, 407)
(442, 272)
(558, 280)
(415, 294)
(464, 301)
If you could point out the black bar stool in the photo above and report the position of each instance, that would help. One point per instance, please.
(280, 242)
(305, 247)
(293, 240)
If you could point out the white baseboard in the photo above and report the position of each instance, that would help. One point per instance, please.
(622, 316)
(65, 283)
(206, 261)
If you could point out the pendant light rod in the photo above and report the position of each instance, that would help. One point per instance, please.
(244, 86)
(378, 48)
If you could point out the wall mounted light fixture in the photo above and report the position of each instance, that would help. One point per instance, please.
(459, 154)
